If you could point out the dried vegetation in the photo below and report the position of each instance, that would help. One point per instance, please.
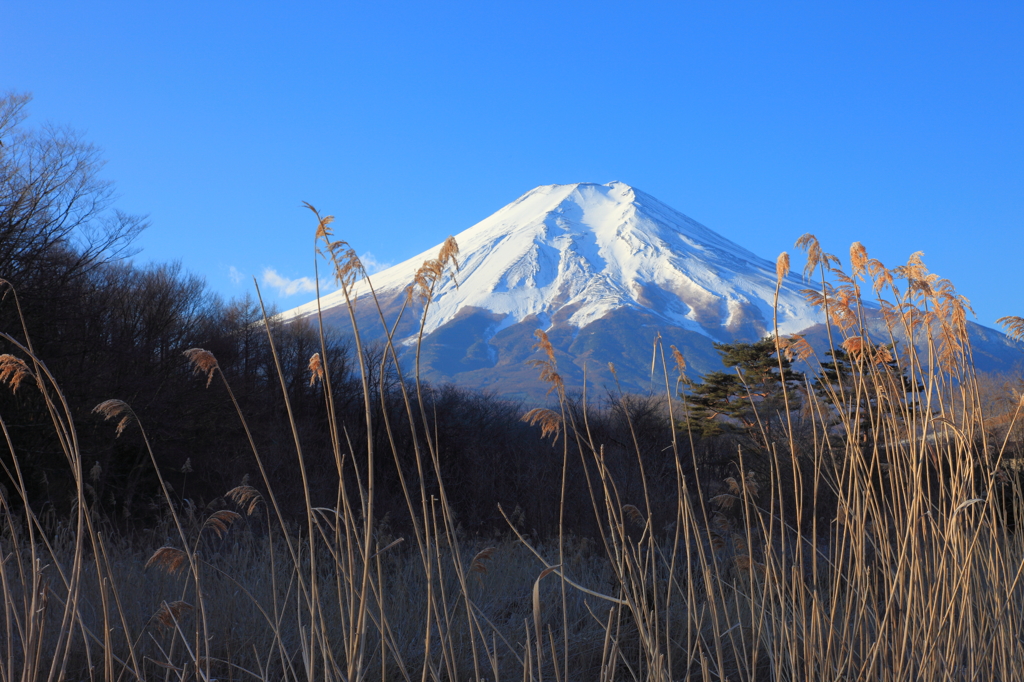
(874, 535)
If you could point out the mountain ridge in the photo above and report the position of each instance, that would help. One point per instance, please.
(598, 248)
(603, 269)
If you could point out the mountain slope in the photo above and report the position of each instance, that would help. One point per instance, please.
(584, 250)
(603, 269)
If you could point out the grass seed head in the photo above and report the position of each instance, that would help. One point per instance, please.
(814, 297)
(220, 521)
(781, 267)
(881, 274)
(169, 559)
(841, 306)
(797, 348)
(432, 271)
(634, 515)
(478, 565)
(720, 522)
(915, 268)
(170, 613)
(544, 344)
(203, 362)
(1014, 326)
(809, 243)
(548, 368)
(883, 355)
(549, 420)
(816, 258)
(323, 228)
(347, 266)
(750, 485)
(246, 497)
(316, 369)
(680, 361)
(858, 258)
(115, 408)
(13, 371)
(449, 253)
(854, 345)
(724, 501)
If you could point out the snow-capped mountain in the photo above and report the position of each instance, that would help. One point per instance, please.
(602, 269)
(578, 252)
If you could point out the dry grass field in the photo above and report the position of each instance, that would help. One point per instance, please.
(872, 536)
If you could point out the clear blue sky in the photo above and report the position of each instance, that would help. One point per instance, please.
(896, 124)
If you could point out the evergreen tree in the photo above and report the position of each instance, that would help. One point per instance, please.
(850, 383)
(737, 401)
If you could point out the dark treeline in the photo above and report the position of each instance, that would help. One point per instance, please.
(120, 331)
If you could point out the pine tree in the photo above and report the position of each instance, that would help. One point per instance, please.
(737, 401)
(851, 385)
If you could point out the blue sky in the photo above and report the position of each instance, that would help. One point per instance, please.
(895, 124)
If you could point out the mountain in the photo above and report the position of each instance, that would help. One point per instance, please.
(603, 269)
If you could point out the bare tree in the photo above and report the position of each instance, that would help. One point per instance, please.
(54, 207)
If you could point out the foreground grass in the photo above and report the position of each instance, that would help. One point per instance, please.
(869, 538)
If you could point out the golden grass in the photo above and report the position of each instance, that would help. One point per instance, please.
(13, 371)
(873, 540)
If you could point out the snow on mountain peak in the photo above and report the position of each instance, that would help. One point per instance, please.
(571, 254)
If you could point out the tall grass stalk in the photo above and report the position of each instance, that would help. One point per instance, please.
(866, 530)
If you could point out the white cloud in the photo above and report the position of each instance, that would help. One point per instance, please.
(289, 287)
(307, 285)
(236, 275)
(372, 265)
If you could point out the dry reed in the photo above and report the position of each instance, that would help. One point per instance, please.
(873, 540)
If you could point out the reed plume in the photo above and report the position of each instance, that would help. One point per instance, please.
(1014, 326)
(781, 266)
(548, 367)
(549, 420)
(203, 362)
(171, 560)
(316, 369)
(13, 371)
(246, 497)
(170, 613)
(110, 409)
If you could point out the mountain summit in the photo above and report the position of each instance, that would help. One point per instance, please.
(602, 269)
(571, 254)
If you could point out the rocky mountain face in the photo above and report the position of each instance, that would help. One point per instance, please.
(603, 269)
